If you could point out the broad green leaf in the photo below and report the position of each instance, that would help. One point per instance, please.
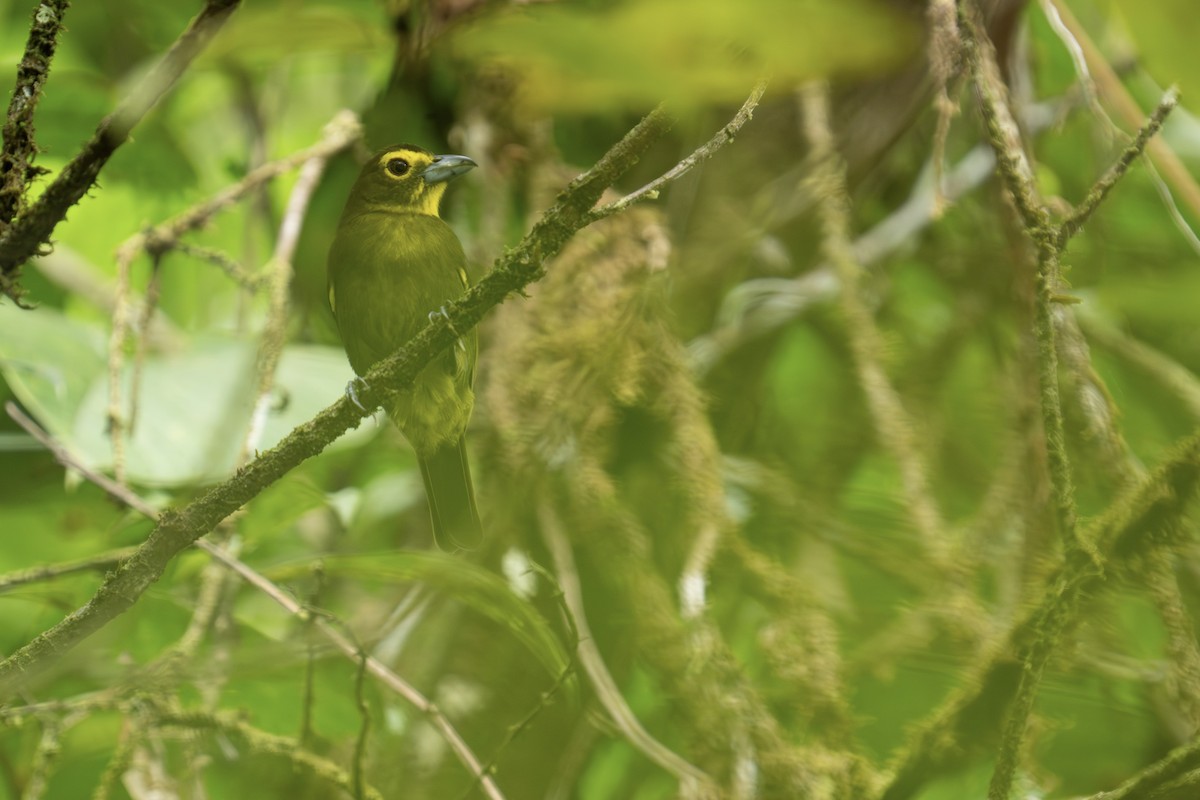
(635, 54)
(481, 590)
(49, 362)
(194, 406)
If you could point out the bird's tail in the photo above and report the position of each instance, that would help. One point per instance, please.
(452, 508)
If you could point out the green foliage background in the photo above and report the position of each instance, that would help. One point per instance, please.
(683, 367)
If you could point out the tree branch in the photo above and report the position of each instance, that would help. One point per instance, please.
(20, 149)
(33, 228)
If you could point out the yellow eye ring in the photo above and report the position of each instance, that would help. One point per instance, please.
(397, 166)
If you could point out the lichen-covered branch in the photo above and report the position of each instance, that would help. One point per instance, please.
(17, 170)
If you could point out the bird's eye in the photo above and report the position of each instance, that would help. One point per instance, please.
(397, 166)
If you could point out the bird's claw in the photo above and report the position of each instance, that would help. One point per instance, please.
(352, 390)
(441, 312)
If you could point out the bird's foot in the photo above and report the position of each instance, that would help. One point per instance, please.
(441, 312)
(352, 390)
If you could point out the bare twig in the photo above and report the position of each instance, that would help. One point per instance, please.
(33, 229)
(692, 780)
(301, 759)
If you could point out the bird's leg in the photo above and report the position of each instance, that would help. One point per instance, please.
(352, 390)
(441, 312)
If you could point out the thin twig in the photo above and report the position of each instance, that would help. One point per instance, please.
(1113, 90)
(97, 563)
(1109, 179)
(236, 272)
(692, 779)
(339, 133)
(258, 740)
(1177, 763)
(1017, 175)
(279, 278)
(33, 228)
(1005, 138)
(701, 154)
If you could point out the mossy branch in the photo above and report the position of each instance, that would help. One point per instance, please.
(32, 230)
(20, 149)
(1095, 196)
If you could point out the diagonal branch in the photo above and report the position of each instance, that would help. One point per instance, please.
(33, 229)
(16, 159)
(698, 156)
(1109, 179)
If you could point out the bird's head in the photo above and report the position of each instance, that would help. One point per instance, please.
(404, 177)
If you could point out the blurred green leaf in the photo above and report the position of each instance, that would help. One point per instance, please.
(57, 368)
(636, 54)
(1167, 47)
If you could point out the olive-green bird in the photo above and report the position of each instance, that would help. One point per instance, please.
(393, 264)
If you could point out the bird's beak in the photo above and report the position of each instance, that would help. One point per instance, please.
(444, 168)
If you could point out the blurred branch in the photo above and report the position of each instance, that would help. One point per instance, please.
(272, 590)
(1172, 375)
(1111, 89)
(301, 759)
(341, 131)
(97, 563)
(892, 423)
(33, 228)
(19, 147)
(761, 305)
(693, 782)
(1175, 765)
(1143, 519)
(708, 150)
(177, 530)
(278, 278)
